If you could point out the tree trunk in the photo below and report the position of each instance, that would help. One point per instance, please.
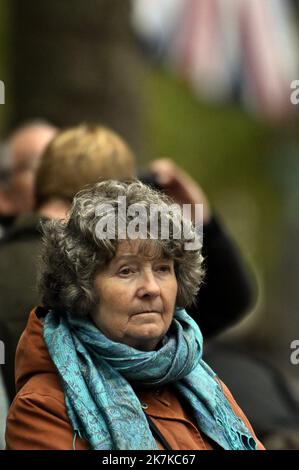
(74, 61)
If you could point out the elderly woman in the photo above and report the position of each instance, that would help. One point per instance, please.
(112, 360)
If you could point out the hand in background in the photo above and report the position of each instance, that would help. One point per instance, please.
(178, 185)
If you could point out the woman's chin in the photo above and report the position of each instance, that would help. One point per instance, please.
(147, 338)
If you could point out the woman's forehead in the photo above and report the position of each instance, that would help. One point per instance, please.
(141, 248)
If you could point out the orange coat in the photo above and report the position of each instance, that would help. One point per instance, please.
(38, 420)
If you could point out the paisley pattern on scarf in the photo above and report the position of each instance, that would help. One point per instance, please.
(96, 373)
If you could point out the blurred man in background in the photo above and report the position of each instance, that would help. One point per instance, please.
(19, 158)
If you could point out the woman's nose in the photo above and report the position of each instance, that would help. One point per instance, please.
(148, 284)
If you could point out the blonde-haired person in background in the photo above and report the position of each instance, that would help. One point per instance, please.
(77, 157)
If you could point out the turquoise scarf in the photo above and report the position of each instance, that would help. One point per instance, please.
(96, 372)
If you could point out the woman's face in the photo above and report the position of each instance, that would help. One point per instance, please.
(137, 297)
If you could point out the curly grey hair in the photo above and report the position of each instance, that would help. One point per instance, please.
(73, 254)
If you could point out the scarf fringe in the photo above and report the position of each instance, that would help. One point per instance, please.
(232, 426)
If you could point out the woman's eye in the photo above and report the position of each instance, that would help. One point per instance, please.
(125, 271)
(164, 269)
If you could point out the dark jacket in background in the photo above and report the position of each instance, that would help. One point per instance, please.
(5, 223)
(18, 261)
